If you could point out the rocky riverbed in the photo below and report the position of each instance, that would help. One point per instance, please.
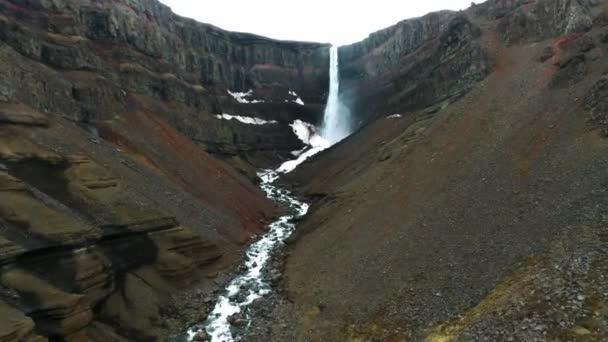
(260, 270)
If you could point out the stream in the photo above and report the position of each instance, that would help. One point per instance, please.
(252, 282)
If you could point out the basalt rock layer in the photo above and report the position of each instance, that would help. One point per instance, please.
(412, 65)
(120, 189)
(104, 52)
(430, 61)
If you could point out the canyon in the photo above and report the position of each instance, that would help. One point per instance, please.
(468, 204)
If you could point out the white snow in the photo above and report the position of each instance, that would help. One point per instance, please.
(241, 97)
(303, 130)
(298, 100)
(394, 116)
(299, 152)
(315, 143)
(245, 119)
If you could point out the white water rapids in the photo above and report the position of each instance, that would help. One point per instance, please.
(253, 283)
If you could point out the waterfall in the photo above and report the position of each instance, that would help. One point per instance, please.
(253, 282)
(336, 120)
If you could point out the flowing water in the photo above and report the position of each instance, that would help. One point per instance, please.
(336, 119)
(252, 283)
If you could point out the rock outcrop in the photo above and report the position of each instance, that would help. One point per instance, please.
(414, 64)
(62, 211)
(122, 185)
(429, 61)
(527, 20)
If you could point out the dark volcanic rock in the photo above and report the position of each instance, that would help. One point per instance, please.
(107, 115)
(412, 65)
(571, 70)
(536, 20)
(105, 52)
(483, 223)
(596, 102)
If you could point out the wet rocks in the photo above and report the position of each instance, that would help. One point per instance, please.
(238, 320)
(247, 281)
(201, 336)
(275, 277)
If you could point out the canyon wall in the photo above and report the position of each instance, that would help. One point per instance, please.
(107, 52)
(119, 188)
(412, 65)
(430, 61)
(478, 216)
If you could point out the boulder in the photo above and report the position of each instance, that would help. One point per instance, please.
(201, 336)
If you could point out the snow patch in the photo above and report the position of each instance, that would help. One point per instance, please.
(245, 119)
(394, 116)
(298, 100)
(241, 97)
(315, 143)
(303, 130)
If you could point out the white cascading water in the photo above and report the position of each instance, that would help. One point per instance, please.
(252, 282)
(336, 120)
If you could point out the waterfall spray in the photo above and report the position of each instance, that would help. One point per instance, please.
(336, 120)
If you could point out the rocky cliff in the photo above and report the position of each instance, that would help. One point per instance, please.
(412, 65)
(104, 52)
(120, 189)
(430, 61)
(479, 216)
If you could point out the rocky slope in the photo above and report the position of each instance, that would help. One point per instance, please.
(473, 217)
(478, 212)
(121, 194)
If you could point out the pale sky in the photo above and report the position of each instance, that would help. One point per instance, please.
(327, 21)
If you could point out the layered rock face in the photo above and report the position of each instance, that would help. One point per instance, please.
(74, 231)
(121, 188)
(103, 52)
(428, 62)
(118, 188)
(414, 64)
(534, 20)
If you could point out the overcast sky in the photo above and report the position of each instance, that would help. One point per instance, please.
(331, 21)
